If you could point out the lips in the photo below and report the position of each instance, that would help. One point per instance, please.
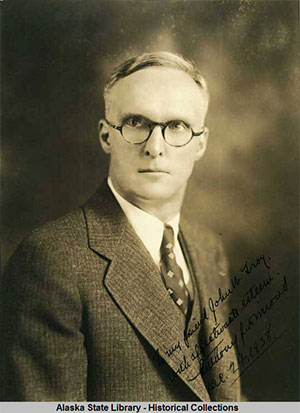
(153, 170)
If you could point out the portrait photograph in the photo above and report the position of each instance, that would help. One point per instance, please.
(149, 200)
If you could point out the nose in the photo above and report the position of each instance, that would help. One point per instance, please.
(155, 144)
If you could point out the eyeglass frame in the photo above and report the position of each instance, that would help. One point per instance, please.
(152, 125)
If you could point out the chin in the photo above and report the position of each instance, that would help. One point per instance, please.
(154, 192)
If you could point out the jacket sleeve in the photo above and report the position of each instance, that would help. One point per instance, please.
(43, 355)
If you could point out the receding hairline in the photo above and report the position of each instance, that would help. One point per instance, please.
(156, 59)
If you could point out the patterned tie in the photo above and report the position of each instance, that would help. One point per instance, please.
(172, 273)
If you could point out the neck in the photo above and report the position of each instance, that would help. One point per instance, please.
(163, 209)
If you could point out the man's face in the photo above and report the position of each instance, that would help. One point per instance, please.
(153, 170)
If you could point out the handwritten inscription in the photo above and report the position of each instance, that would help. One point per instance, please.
(210, 348)
(255, 349)
(255, 290)
(254, 317)
(212, 384)
(195, 326)
(249, 267)
(215, 355)
(218, 329)
(171, 350)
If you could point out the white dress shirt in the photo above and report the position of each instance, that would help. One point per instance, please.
(150, 230)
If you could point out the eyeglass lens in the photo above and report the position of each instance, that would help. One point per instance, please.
(176, 133)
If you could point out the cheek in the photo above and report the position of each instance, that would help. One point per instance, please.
(122, 159)
(184, 163)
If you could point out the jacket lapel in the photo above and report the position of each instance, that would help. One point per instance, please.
(134, 282)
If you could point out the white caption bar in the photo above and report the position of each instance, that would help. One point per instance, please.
(142, 407)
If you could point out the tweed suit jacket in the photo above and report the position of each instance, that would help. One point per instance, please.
(85, 315)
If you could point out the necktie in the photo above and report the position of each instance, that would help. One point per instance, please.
(172, 273)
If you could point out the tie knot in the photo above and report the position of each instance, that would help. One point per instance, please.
(167, 244)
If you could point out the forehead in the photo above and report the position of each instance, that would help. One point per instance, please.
(159, 93)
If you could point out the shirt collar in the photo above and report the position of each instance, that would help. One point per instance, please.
(148, 227)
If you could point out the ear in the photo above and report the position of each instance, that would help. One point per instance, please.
(103, 129)
(202, 144)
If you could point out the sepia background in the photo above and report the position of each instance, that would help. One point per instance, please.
(56, 56)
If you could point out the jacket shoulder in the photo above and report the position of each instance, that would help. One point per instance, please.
(68, 228)
(52, 244)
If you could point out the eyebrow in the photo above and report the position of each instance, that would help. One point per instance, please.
(127, 116)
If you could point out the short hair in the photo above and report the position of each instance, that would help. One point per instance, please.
(163, 59)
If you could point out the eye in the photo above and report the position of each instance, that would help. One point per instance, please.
(134, 122)
(178, 126)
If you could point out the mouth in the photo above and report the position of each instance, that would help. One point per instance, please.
(153, 171)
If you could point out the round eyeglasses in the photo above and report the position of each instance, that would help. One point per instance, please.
(137, 130)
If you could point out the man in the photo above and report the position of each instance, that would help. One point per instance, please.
(111, 301)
